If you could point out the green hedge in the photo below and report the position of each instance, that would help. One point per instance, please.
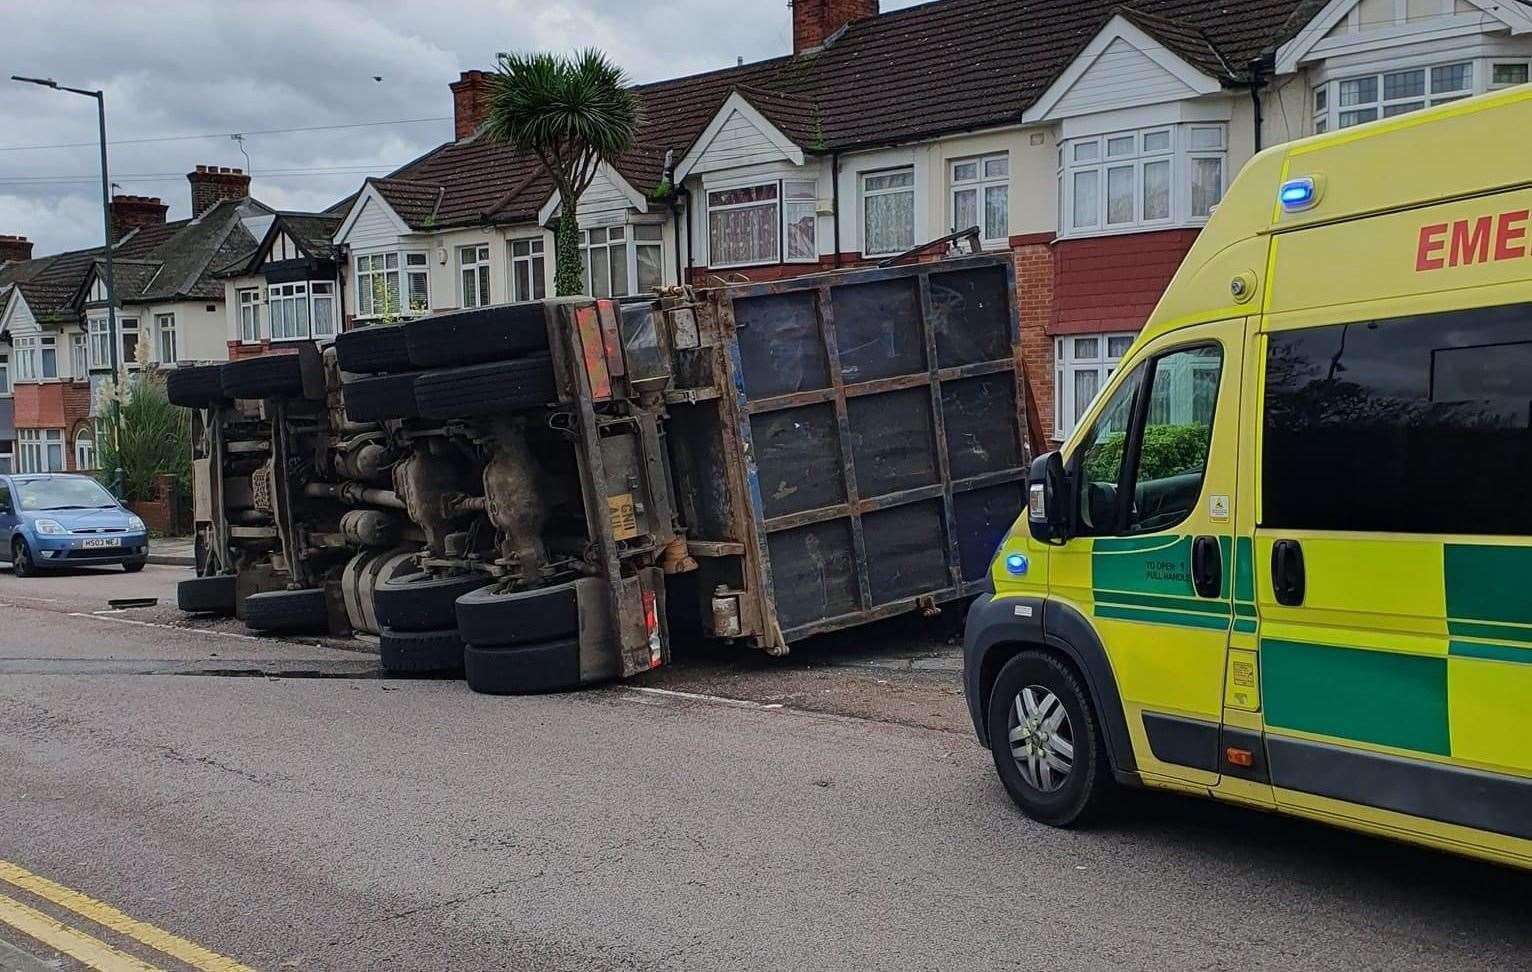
(1168, 451)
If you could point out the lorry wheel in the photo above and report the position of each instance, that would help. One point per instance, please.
(374, 349)
(503, 386)
(1047, 741)
(287, 612)
(269, 376)
(553, 666)
(487, 618)
(194, 386)
(380, 397)
(207, 595)
(419, 652)
(422, 601)
(480, 334)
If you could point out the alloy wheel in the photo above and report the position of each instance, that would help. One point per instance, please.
(1041, 738)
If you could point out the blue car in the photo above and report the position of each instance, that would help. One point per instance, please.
(52, 520)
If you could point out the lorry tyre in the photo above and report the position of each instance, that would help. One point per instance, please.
(375, 349)
(422, 602)
(1047, 742)
(269, 376)
(503, 386)
(480, 334)
(195, 386)
(419, 652)
(553, 666)
(287, 612)
(207, 595)
(380, 397)
(487, 618)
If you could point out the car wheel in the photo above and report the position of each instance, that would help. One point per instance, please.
(380, 397)
(374, 349)
(268, 376)
(1047, 742)
(419, 652)
(22, 564)
(194, 386)
(504, 386)
(552, 666)
(287, 612)
(478, 334)
(422, 601)
(133, 566)
(207, 595)
(488, 618)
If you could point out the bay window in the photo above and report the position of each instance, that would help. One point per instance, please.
(324, 316)
(981, 196)
(769, 222)
(473, 268)
(26, 358)
(40, 450)
(529, 270)
(287, 308)
(888, 211)
(165, 328)
(1138, 180)
(1083, 363)
(37, 358)
(250, 316)
(1358, 100)
(389, 284)
(621, 261)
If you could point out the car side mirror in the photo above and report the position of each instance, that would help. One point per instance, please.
(1048, 507)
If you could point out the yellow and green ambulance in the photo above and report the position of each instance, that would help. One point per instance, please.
(1286, 558)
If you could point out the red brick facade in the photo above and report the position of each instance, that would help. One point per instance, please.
(1111, 283)
(815, 20)
(61, 405)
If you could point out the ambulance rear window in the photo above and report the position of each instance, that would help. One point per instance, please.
(1406, 425)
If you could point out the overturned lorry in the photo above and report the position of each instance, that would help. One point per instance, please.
(544, 494)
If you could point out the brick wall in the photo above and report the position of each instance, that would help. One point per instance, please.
(1035, 278)
(1111, 283)
(238, 349)
(815, 20)
(165, 514)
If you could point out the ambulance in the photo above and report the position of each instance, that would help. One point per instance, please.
(1286, 559)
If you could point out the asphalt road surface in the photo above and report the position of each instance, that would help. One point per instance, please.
(291, 810)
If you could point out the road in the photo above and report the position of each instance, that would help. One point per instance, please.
(838, 816)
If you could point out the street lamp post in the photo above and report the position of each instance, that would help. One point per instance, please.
(106, 207)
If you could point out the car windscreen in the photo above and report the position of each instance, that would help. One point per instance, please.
(62, 493)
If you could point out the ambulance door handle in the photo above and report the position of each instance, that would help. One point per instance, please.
(1207, 567)
(1287, 576)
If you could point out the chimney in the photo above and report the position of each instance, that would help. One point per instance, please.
(470, 103)
(815, 21)
(15, 248)
(131, 212)
(212, 184)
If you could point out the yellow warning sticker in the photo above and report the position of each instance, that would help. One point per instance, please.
(1244, 688)
(624, 517)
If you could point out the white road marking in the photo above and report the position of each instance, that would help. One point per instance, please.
(699, 697)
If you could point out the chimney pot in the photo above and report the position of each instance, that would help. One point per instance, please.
(470, 103)
(815, 21)
(212, 184)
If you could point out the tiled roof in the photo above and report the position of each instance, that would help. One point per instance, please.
(312, 231)
(50, 284)
(941, 67)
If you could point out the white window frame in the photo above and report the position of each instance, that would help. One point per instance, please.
(79, 356)
(100, 342)
(322, 294)
(165, 327)
(33, 448)
(84, 450)
(606, 245)
(534, 261)
(411, 273)
(283, 303)
(1067, 363)
(248, 302)
(865, 194)
(1489, 74)
(125, 327)
(5, 374)
(714, 209)
(473, 261)
(1334, 113)
(981, 184)
(797, 199)
(1094, 159)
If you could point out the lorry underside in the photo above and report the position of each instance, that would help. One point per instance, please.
(542, 493)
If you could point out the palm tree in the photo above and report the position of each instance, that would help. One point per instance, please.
(573, 113)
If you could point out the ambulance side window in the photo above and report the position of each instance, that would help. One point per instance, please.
(1172, 455)
(1101, 457)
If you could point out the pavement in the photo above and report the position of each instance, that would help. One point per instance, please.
(221, 799)
(172, 551)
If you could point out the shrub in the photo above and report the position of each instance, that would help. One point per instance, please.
(145, 436)
(1168, 450)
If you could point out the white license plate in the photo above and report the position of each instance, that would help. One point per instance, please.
(101, 542)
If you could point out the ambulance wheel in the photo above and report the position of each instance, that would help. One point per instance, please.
(553, 666)
(1047, 741)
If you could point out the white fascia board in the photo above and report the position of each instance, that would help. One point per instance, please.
(368, 193)
(636, 199)
(1150, 116)
(1118, 28)
(1310, 43)
(13, 299)
(736, 102)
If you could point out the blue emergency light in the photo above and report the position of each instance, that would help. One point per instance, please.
(1016, 564)
(1299, 194)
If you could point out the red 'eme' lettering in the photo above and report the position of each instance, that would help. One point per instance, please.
(1465, 242)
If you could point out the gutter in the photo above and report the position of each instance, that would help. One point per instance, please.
(1257, 84)
(835, 201)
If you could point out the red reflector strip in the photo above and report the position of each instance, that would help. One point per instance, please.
(1239, 757)
(611, 335)
(593, 350)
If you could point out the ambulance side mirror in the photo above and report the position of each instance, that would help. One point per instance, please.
(1048, 506)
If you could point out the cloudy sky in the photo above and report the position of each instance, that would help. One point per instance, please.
(211, 68)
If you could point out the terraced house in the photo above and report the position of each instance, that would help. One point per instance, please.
(1088, 140)
(55, 345)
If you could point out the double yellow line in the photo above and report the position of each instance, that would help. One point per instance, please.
(88, 949)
